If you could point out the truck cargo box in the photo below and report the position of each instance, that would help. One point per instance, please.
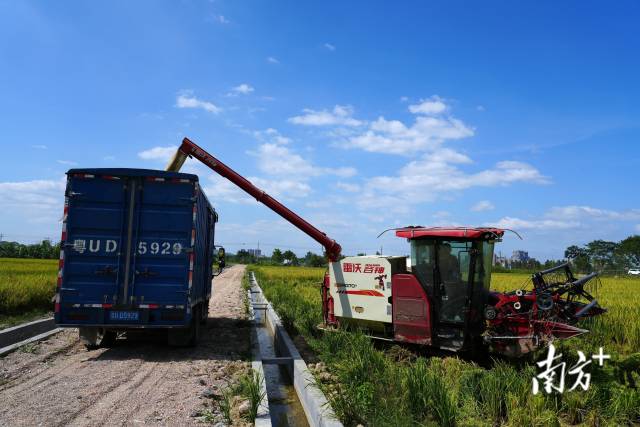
(137, 252)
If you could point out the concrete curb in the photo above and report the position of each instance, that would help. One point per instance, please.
(263, 418)
(13, 347)
(315, 404)
(21, 332)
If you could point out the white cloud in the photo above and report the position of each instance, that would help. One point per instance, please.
(506, 172)
(440, 174)
(287, 188)
(221, 189)
(483, 205)
(480, 108)
(271, 135)
(67, 162)
(329, 47)
(582, 212)
(350, 188)
(159, 153)
(39, 146)
(571, 217)
(185, 99)
(429, 131)
(341, 115)
(404, 99)
(221, 19)
(543, 224)
(432, 106)
(436, 172)
(243, 89)
(276, 159)
(272, 60)
(637, 228)
(109, 158)
(441, 214)
(37, 194)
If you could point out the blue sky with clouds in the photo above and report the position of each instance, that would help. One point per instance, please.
(359, 115)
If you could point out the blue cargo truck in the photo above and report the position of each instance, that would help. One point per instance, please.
(137, 252)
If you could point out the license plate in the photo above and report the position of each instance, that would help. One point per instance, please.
(123, 315)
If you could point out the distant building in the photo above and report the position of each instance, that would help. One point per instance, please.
(255, 252)
(500, 260)
(520, 256)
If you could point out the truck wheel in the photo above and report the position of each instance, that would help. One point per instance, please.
(197, 316)
(205, 313)
(183, 337)
(93, 338)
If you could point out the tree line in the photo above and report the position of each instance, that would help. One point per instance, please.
(602, 255)
(42, 250)
(278, 257)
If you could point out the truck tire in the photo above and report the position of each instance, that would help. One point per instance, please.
(93, 337)
(186, 337)
(197, 322)
(205, 313)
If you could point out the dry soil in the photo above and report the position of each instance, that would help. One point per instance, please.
(140, 380)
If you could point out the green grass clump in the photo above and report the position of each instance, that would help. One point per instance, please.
(394, 387)
(26, 285)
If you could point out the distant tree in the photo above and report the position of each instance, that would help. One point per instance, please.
(601, 254)
(290, 257)
(550, 263)
(313, 260)
(41, 250)
(579, 258)
(244, 257)
(574, 251)
(629, 251)
(277, 257)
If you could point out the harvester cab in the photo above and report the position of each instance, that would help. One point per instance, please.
(455, 270)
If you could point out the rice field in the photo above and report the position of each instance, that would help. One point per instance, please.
(391, 386)
(26, 288)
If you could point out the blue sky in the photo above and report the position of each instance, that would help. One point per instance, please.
(359, 115)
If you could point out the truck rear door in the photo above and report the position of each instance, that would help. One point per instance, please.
(96, 222)
(128, 241)
(164, 218)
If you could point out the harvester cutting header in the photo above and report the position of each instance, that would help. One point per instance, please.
(442, 297)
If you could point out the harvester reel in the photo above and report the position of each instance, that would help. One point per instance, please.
(490, 312)
(520, 321)
(544, 301)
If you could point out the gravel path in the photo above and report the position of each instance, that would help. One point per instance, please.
(138, 381)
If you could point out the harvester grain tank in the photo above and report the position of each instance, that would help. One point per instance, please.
(441, 298)
(137, 252)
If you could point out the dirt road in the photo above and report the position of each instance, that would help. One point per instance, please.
(138, 381)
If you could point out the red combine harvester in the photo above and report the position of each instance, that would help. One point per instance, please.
(442, 297)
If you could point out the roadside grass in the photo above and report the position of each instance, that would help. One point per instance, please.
(385, 387)
(26, 289)
(7, 321)
(247, 387)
